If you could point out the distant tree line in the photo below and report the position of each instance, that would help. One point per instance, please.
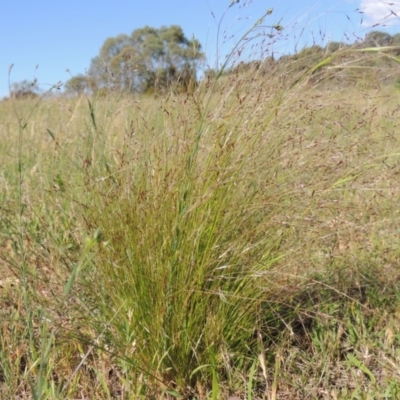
(25, 89)
(152, 60)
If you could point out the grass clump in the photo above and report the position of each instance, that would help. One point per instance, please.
(190, 239)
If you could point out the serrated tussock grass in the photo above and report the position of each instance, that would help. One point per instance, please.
(191, 240)
(240, 240)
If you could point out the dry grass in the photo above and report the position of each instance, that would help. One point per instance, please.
(242, 241)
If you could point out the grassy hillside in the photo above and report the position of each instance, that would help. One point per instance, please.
(241, 241)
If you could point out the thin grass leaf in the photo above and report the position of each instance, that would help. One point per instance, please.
(361, 366)
(251, 380)
(92, 114)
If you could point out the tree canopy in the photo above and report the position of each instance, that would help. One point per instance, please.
(148, 59)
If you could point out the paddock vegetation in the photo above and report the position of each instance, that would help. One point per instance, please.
(240, 241)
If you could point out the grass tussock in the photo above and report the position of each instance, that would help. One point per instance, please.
(238, 241)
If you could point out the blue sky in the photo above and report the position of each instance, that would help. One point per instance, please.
(61, 35)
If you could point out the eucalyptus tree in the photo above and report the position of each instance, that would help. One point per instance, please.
(147, 59)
